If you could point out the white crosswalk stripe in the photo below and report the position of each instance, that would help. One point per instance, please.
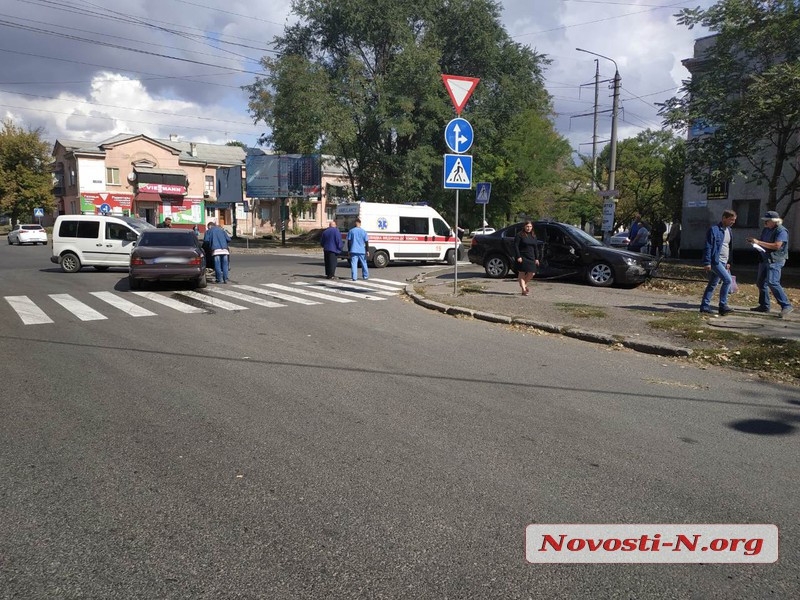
(215, 302)
(278, 295)
(129, 308)
(171, 302)
(247, 298)
(83, 311)
(27, 310)
(266, 295)
(345, 289)
(286, 288)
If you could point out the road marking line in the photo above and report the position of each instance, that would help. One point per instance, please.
(171, 303)
(377, 287)
(129, 308)
(343, 289)
(83, 311)
(307, 293)
(398, 284)
(27, 310)
(246, 298)
(278, 295)
(206, 299)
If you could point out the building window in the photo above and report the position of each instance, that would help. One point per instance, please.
(211, 212)
(209, 189)
(309, 213)
(748, 213)
(112, 176)
(330, 212)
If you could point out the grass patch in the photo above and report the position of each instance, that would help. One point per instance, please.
(471, 288)
(581, 311)
(769, 356)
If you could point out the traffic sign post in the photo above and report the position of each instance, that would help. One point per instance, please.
(458, 137)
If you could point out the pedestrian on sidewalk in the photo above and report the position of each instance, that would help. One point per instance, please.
(773, 248)
(331, 242)
(357, 245)
(526, 249)
(716, 262)
(641, 238)
(218, 239)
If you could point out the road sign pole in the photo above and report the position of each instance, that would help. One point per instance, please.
(483, 223)
(455, 251)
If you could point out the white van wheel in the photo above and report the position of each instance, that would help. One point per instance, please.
(450, 257)
(70, 263)
(380, 259)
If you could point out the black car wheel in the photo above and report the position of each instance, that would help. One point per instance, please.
(201, 281)
(600, 274)
(380, 259)
(496, 267)
(70, 263)
(134, 283)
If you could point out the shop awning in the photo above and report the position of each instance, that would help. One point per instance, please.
(148, 197)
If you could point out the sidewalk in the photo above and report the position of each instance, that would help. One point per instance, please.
(603, 315)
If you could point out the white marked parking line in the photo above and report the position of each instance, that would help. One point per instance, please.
(215, 302)
(129, 308)
(27, 310)
(278, 295)
(277, 286)
(246, 298)
(171, 303)
(83, 311)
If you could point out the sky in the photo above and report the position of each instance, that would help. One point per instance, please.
(88, 70)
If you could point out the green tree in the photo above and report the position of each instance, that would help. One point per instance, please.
(745, 92)
(649, 176)
(26, 180)
(361, 80)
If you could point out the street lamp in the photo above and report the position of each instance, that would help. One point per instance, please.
(612, 167)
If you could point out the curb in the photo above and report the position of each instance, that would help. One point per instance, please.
(568, 331)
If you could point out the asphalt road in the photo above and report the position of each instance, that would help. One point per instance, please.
(369, 449)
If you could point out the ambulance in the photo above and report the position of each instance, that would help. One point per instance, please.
(400, 232)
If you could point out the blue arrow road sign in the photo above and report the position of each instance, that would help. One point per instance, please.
(457, 171)
(458, 135)
(105, 208)
(482, 193)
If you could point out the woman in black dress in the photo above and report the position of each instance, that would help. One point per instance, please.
(525, 251)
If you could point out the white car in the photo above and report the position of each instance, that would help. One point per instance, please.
(620, 240)
(482, 231)
(27, 234)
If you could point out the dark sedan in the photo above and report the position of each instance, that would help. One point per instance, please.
(567, 252)
(167, 255)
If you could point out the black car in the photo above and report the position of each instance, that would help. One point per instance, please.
(167, 255)
(567, 252)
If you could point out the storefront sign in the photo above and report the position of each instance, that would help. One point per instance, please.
(162, 188)
(187, 211)
(117, 202)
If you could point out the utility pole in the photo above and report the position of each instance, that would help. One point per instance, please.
(609, 206)
(594, 125)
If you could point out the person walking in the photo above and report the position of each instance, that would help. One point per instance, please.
(657, 238)
(526, 250)
(331, 242)
(773, 247)
(716, 262)
(357, 245)
(217, 239)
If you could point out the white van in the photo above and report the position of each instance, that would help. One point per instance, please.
(95, 241)
(400, 232)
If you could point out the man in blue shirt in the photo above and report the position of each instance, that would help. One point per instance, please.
(773, 246)
(331, 242)
(357, 244)
(716, 262)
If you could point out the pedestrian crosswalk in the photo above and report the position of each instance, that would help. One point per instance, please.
(100, 306)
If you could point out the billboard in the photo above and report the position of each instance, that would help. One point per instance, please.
(282, 175)
(229, 184)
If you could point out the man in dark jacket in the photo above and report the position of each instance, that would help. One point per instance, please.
(331, 242)
(167, 224)
(716, 262)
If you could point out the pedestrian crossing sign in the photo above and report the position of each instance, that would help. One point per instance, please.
(482, 193)
(457, 171)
